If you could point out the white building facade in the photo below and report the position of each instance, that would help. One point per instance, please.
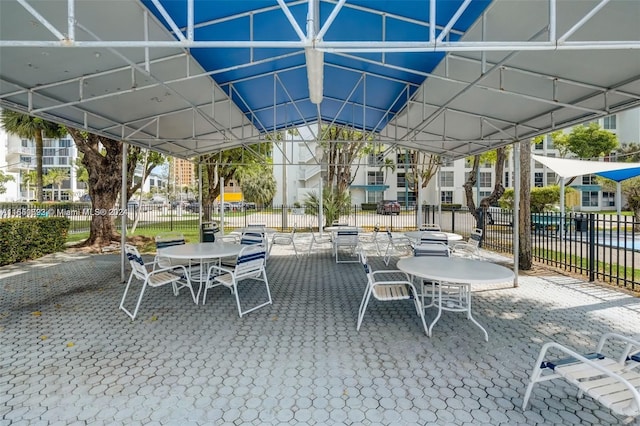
(374, 182)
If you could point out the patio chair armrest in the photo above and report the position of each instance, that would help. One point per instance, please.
(219, 269)
(632, 345)
(171, 269)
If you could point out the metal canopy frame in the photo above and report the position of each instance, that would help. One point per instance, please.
(453, 78)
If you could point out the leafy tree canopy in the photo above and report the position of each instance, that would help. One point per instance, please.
(585, 141)
(542, 198)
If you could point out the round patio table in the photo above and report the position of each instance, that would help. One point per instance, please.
(457, 272)
(201, 252)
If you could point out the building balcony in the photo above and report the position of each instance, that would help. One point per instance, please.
(18, 166)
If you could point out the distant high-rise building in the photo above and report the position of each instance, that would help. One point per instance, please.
(181, 174)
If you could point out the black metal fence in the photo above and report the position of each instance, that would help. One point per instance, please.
(603, 247)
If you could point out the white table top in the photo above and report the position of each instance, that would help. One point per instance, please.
(416, 235)
(201, 251)
(455, 269)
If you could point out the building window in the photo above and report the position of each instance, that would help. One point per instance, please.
(446, 178)
(506, 179)
(538, 180)
(374, 196)
(609, 123)
(49, 152)
(446, 162)
(407, 196)
(446, 197)
(608, 199)
(539, 146)
(375, 178)
(589, 198)
(47, 160)
(484, 194)
(400, 180)
(63, 161)
(550, 144)
(589, 180)
(485, 179)
(551, 178)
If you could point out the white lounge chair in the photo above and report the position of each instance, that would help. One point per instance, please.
(613, 381)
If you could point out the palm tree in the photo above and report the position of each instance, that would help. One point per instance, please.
(55, 177)
(29, 178)
(28, 127)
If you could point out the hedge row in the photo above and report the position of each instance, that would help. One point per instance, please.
(30, 238)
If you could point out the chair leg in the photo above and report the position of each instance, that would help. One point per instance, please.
(363, 306)
(135, 312)
(124, 296)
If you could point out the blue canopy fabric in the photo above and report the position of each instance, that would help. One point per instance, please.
(622, 174)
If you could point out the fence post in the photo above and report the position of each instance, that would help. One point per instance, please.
(453, 220)
(170, 217)
(592, 247)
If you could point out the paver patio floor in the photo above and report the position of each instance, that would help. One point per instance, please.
(70, 356)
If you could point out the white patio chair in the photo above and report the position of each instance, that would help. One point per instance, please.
(429, 227)
(433, 247)
(285, 239)
(176, 275)
(346, 238)
(388, 286)
(372, 238)
(167, 240)
(317, 241)
(471, 247)
(250, 265)
(396, 245)
(613, 381)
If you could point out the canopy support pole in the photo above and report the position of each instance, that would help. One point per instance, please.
(561, 225)
(619, 197)
(123, 217)
(516, 208)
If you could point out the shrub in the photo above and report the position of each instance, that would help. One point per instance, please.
(369, 207)
(29, 238)
(449, 207)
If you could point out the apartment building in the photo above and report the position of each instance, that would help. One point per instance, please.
(17, 159)
(375, 181)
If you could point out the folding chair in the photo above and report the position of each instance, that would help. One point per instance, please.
(250, 265)
(397, 286)
(175, 275)
(372, 238)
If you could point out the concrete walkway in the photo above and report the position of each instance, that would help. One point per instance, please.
(69, 356)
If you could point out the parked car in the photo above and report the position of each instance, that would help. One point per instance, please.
(388, 207)
(193, 207)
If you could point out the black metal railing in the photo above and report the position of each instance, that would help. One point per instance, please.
(602, 247)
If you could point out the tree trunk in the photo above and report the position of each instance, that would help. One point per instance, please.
(103, 160)
(468, 187)
(498, 188)
(39, 172)
(525, 256)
